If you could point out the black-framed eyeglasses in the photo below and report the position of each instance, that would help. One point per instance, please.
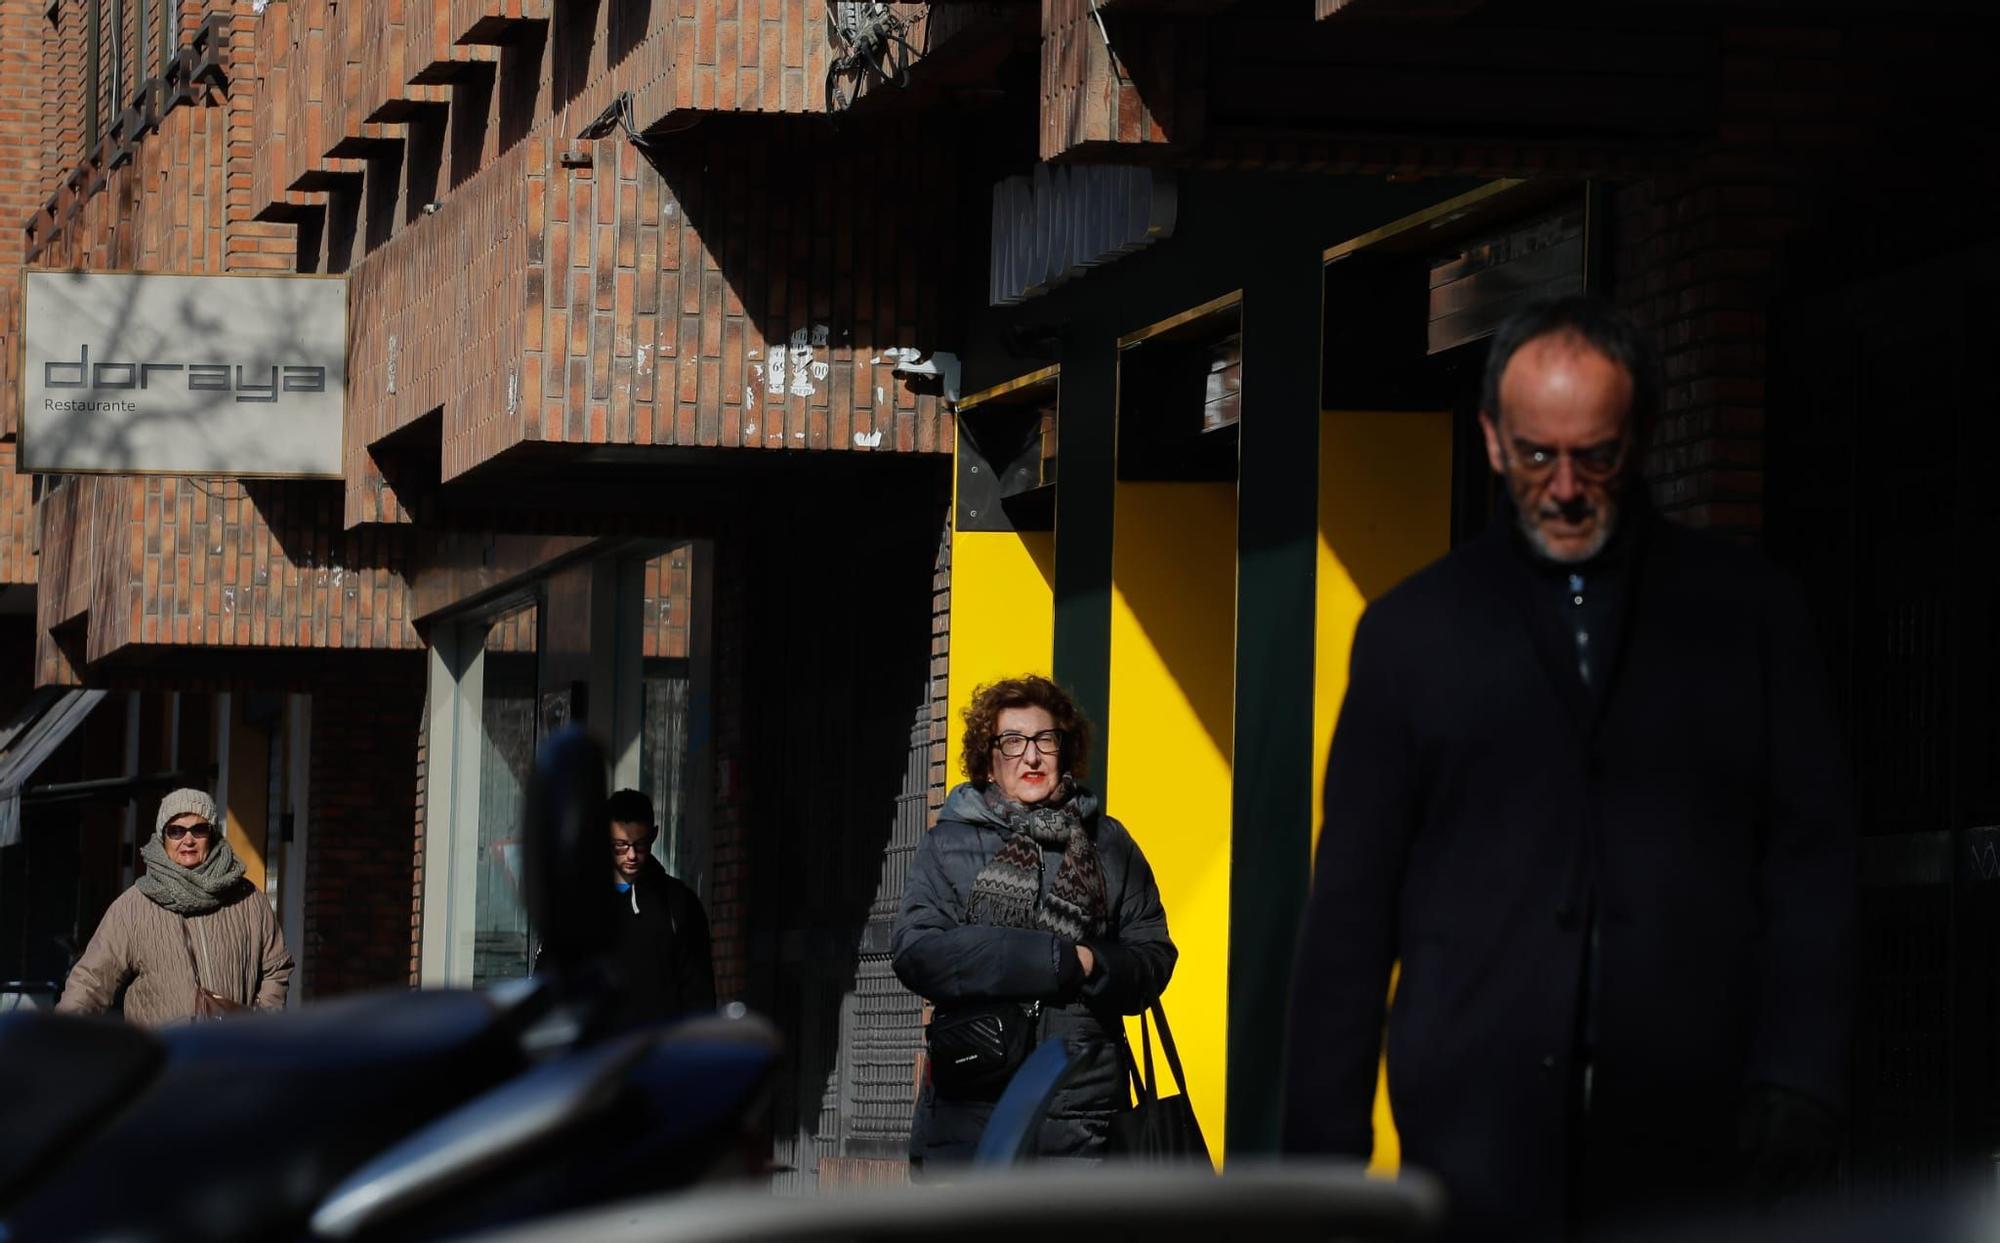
(175, 832)
(1014, 746)
(626, 848)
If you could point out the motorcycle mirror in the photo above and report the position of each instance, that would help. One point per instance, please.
(565, 836)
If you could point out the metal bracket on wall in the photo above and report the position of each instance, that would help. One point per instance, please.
(999, 473)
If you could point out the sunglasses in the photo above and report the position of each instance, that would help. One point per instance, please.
(175, 832)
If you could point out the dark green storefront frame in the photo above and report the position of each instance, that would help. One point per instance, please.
(1264, 236)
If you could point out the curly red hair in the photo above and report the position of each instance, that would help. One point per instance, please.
(1031, 690)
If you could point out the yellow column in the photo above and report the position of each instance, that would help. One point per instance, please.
(1173, 674)
(1384, 512)
(249, 752)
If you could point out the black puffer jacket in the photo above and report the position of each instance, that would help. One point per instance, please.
(663, 956)
(950, 962)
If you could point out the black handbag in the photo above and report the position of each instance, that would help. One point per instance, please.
(975, 1049)
(1158, 1128)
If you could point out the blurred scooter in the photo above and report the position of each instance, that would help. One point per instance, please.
(388, 1115)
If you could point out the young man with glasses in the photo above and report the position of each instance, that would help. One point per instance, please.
(663, 956)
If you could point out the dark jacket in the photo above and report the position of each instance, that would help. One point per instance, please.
(948, 961)
(662, 955)
(1482, 815)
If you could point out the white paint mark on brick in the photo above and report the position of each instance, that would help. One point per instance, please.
(819, 372)
(879, 395)
(774, 371)
(646, 359)
(801, 357)
(513, 392)
(868, 440)
(392, 362)
(749, 395)
(749, 430)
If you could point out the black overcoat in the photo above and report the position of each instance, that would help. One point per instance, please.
(1479, 807)
(949, 961)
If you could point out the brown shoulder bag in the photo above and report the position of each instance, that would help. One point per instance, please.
(207, 1005)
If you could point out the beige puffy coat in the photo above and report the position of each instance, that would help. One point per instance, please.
(140, 956)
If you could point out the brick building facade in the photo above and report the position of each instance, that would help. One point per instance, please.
(731, 328)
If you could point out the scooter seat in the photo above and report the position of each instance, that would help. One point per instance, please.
(61, 1075)
(648, 1111)
(275, 1109)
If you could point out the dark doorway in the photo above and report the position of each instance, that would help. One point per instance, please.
(1883, 449)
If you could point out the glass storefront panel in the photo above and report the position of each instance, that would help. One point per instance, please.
(502, 939)
(665, 699)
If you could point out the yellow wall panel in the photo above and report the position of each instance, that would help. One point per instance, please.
(1002, 615)
(1173, 672)
(249, 790)
(1384, 513)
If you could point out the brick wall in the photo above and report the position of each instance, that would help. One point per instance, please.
(360, 871)
(1704, 249)
(227, 563)
(17, 509)
(1138, 88)
(664, 606)
(352, 72)
(743, 293)
(184, 561)
(20, 179)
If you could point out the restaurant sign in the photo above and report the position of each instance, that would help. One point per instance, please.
(233, 375)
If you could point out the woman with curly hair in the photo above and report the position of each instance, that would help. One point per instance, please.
(1029, 915)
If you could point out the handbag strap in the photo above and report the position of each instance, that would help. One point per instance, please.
(1167, 1047)
(1144, 1088)
(1146, 1046)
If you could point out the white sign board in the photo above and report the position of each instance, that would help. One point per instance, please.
(183, 375)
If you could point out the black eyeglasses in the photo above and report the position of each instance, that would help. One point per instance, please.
(1014, 746)
(175, 832)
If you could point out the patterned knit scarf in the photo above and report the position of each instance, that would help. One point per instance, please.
(1008, 891)
(196, 890)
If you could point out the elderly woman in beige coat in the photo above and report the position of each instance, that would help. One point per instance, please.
(190, 924)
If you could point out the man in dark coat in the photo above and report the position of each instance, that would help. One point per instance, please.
(662, 954)
(1586, 790)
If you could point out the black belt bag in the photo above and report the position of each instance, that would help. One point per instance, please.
(975, 1049)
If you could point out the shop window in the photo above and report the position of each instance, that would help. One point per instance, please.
(1410, 306)
(662, 742)
(665, 700)
(618, 644)
(481, 735)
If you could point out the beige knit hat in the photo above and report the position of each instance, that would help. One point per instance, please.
(184, 802)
